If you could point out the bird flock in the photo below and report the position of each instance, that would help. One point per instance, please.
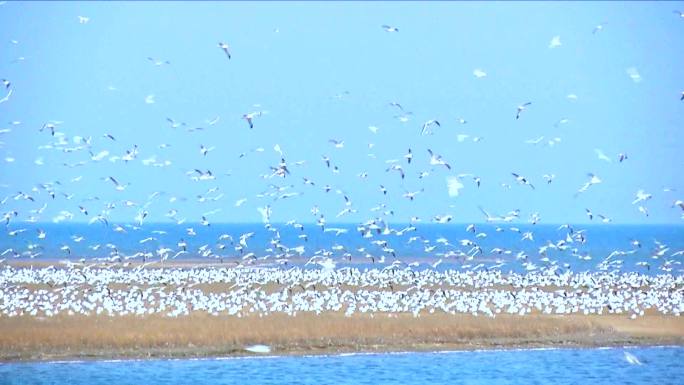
(287, 275)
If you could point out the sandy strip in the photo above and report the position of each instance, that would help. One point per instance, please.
(203, 335)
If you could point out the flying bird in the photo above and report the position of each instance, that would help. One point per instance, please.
(225, 47)
(521, 108)
(388, 28)
(522, 180)
(425, 130)
(555, 42)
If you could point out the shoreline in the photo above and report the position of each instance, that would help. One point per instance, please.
(73, 338)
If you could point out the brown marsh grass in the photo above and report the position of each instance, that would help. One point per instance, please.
(201, 334)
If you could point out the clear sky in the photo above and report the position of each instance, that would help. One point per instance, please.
(329, 71)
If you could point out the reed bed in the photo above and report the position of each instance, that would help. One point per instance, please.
(200, 334)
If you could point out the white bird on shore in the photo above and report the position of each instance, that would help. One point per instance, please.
(261, 349)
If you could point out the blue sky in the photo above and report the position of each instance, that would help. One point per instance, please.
(293, 60)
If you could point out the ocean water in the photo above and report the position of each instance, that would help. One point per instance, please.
(601, 241)
(659, 365)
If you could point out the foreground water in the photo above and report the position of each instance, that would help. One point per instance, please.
(659, 365)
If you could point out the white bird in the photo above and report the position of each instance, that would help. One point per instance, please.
(425, 130)
(598, 28)
(522, 180)
(83, 20)
(261, 349)
(479, 73)
(631, 358)
(633, 74)
(225, 47)
(521, 108)
(601, 155)
(641, 196)
(250, 117)
(337, 143)
(454, 186)
(6, 98)
(436, 160)
(388, 28)
(555, 42)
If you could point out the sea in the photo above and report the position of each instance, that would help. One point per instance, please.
(653, 365)
(502, 247)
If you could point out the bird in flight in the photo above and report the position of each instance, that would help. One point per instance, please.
(225, 47)
(388, 28)
(521, 108)
(522, 180)
(426, 127)
(249, 117)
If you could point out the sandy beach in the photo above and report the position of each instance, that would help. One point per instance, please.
(203, 335)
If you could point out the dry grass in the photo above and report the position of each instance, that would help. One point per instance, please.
(200, 334)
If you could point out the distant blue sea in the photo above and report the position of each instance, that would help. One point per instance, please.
(600, 242)
(659, 365)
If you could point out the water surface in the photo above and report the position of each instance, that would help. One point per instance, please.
(660, 365)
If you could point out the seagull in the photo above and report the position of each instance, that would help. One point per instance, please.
(83, 20)
(594, 180)
(409, 156)
(225, 49)
(262, 349)
(426, 127)
(680, 13)
(158, 62)
(6, 98)
(601, 155)
(388, 28)
(589, 214)
(598, 28)
(437, 160)
(522, 180)
(521, 108)
(454, 185)
(641, 196)
(622, 157)
(6, 83)
(549, 177)
(395, 104)
(249, 117)
(337, 143)
(631, 358)
(479, 73)
(204, 150)
(555, 42)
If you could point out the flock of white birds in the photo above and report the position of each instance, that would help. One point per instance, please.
(115, 286)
